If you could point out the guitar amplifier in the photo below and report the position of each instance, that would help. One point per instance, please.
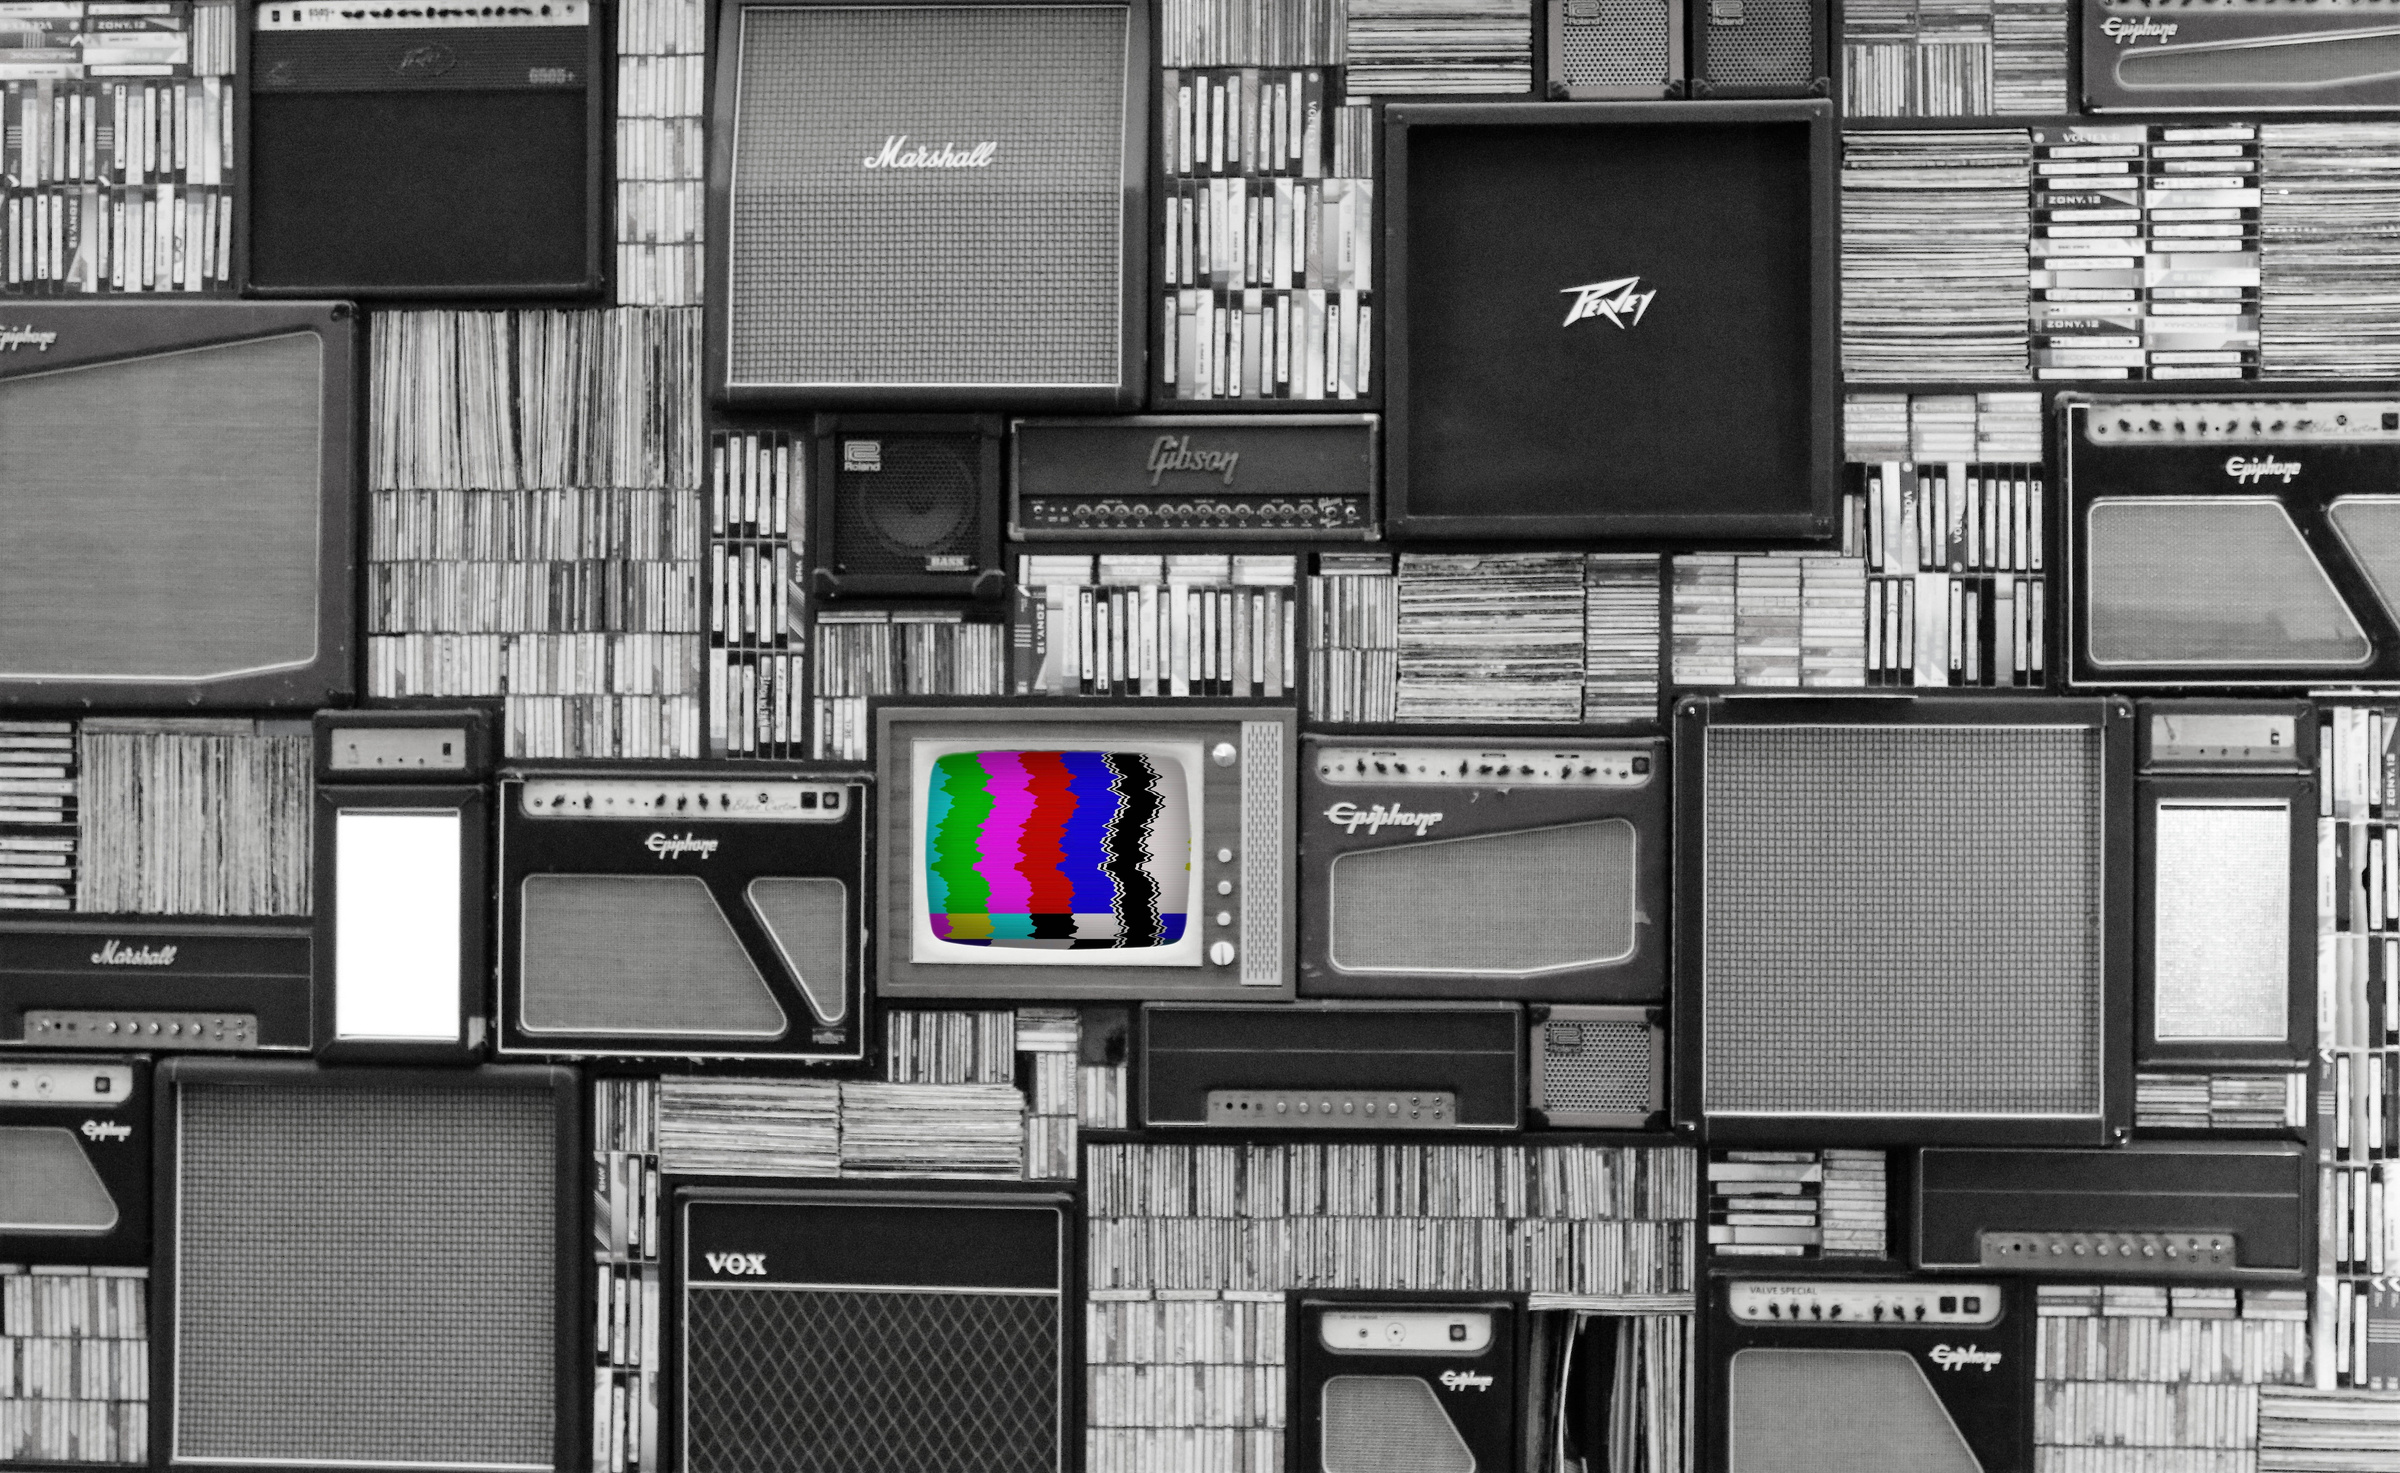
(1427, 1385)
(1334, 1066)
(1170, 478)
(1598, 1068)
(907, 506)
(1759, 48)
(1604, 49)
(2242, 56)
(75, 1161)
(188, 984)
(424, 152)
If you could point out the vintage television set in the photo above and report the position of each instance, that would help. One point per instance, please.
(1136, 850)
(1904, 920)
(1484, 866)
(177, 483)
(681, 912)
(929, 206)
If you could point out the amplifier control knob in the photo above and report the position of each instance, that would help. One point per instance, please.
(1221, 953)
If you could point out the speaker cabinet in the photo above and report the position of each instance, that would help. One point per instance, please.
(1425, 1385)
(907, 506)
(1598, 1068)
(1615, 49)
(1759, 48)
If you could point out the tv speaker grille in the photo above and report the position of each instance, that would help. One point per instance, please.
(1902, 920)
(1264, 833)
(1513, 904)
(365, 1275)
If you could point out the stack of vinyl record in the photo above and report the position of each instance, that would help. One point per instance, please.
(2329, 252)
(1353, 624)
(1620, 637)
(1491, 637)
(1933, 254)
(1051, 1039)
(1450, 46)
(933, 1130)
(195, 816)
(1953, 58)
(2029, 56)
(922, 1047)
(37, 815)
(2170, 1101)
(749, 1127)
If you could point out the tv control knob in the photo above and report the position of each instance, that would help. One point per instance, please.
(1223, 754)
(1221, 953)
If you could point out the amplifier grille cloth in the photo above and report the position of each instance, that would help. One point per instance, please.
(1840, 1411)
(637, 954)
(178, 543)
(835, 1381)
(806, 919)
(1512, 904)
(1595, 1066)
(1625, 47)
(922, 502)
(47, 1184)
(1264, 833)
(1772, 47)
(2178, 581)
(1005, 274)
(366, 1275)
(2370, 528)
(1390, 1424)
(1902, 920)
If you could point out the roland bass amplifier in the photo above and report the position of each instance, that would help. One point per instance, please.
(907, 506)
(1425, 1385)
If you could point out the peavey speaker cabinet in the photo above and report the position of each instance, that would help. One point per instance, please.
(929, 204)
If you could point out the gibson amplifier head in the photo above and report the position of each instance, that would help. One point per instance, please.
(1866, 1375)
(1169, 478)
(2246, 56)
(1334, 1066)
(2223, 542)
(224, 506)
(1124, 851)
(75, 1160)
(1603, 49)
(1481, 867)
(189, 984)
(1428, 1385)
(929, 206)
(907, 506)
(685, 912)
(1906, 920)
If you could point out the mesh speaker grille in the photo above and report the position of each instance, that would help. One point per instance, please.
(2370, 526)
(1005, 275)
(1626, 46)
(1511, 904)
(47, 1184)
(636, 954)
(839, 1381)
(2216, 581)
(1596, 1066)
(1840, 1411)
(1902, 920)
(1772, 47)
(365, 1275)
(805, 919)
(1265, 832)
(921, 504)
(1390, 1424)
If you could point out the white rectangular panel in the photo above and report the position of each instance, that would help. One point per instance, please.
(395, 947)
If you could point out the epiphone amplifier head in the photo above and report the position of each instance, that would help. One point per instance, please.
(1334, 1066)
(907, 506)
(2246, 56)
(75, 1160)
(849, 1329)
(2232, 542)
(424, 151)
(1866, 1376)
(2155, 1209)
(1474, 867)
(1904, 921)
(1600, 1068)
(189, 984)
(1758, 48)
(1128, 850)
(1611, 319)
(198, 552)
(368, 1267)
(1168, 478)
(1601, 49)
(929, 205)
(683, 912)
(410, 745)
(1422, 1385)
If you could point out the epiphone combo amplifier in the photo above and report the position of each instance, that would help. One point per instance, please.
(857, 1329)
(75, 1160)
(929, 205)
(1759, 48)
(368, 1267)
(1404, 1386)
(1605, 49)
(1598, 1068)
(2225, 948)
(2245, 56)
(225, 505)
(2232, 542)
(1867, 1376)
(1566, 282)
(188, 984)
(425, 151)
(907, 506)
(1481, 867)
(1334, 1066)
(1904, 921)
(1167, 478)
(681, 912)
(2154, 1209)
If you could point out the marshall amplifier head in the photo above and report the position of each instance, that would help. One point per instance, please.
(907, 506)
(1609, 49)
(1478, 867)
(1333, 1066)
(684, 912)
(2171, 1209)
(2246, 56)
(2229, 543)
(75, 1160)
(189, 984)
(1866, 1376)
(1220, 478)
(1424, 1385)
(1597, 1068)
(929, 206)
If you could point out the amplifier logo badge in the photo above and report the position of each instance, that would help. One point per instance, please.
(1466, 1381)
(896, 154)
(549, 76)
(13, 338)
(1173, 454)
(1609, 299)
(114, 953)
(429, 60)
(1349, 815)
(106, 1130)
(2130, 32)
(752, 1265)
(1960, 1357)
(2250, 472)
(675, 846)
